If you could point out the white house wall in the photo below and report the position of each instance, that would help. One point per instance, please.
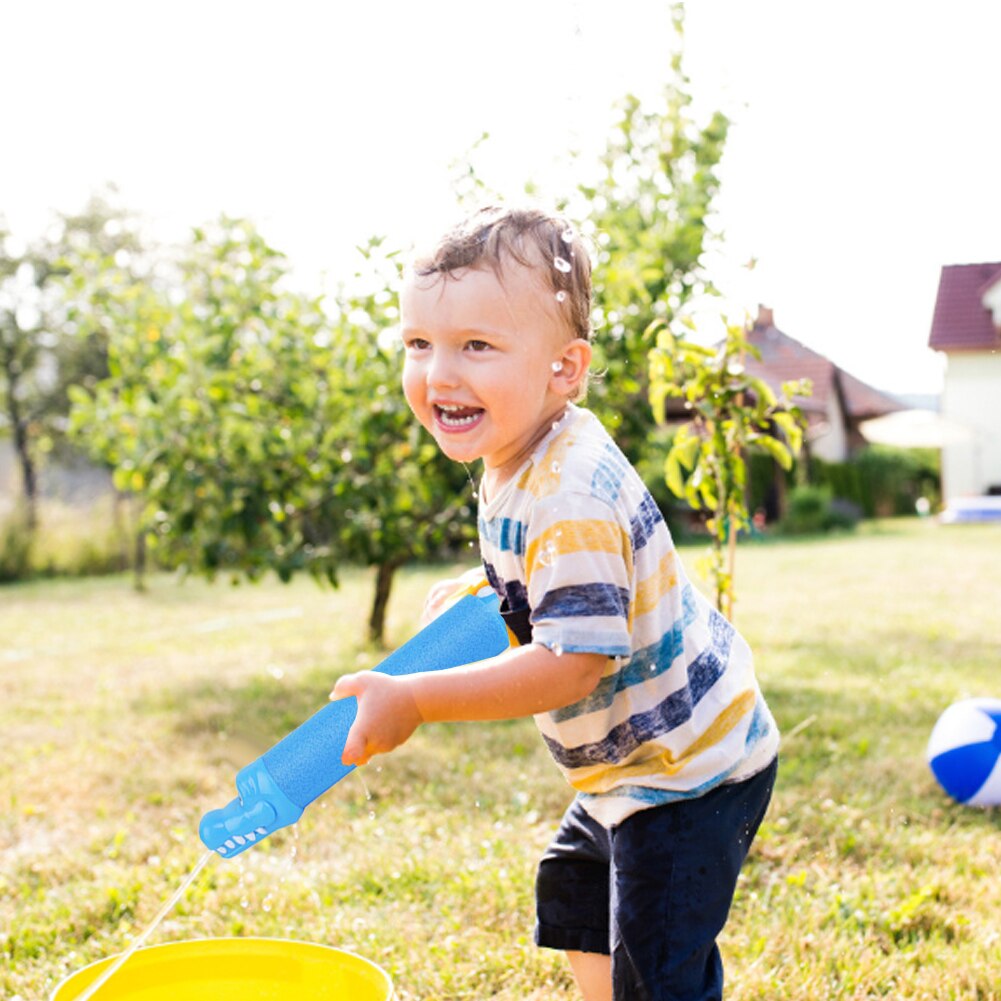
(972, 396)
(832, 445)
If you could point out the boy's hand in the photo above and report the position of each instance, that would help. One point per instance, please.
(387, 714)
(437, 600)
(439, 595)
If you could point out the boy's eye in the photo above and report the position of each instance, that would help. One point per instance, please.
(417, 344)
(477, 345)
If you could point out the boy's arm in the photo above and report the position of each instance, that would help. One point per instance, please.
(519, 682)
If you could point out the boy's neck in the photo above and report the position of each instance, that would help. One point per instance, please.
(495, 478)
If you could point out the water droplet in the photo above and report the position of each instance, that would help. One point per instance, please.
(562, 264)
(557, 649)
(561, 296)
(556, 467)
(567, 235)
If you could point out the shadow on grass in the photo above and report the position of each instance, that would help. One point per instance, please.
(867, 754)
(448, 765)
(855, 737)
(256, 713)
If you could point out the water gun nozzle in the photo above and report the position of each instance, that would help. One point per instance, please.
(260, 809)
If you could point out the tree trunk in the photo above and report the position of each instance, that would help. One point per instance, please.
(383, 585)
(29, 475)
(139, 562)
(731, 563)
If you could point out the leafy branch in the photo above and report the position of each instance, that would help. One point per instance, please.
(731, 412)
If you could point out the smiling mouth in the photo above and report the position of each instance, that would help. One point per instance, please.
(455, 418)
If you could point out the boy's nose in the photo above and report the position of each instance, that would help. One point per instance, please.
(442, 370)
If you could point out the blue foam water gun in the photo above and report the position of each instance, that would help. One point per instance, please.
(281, 783)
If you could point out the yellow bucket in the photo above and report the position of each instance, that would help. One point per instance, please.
(235, 969)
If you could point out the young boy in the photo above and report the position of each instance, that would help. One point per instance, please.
(644, 694)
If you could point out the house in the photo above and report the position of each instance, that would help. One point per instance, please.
(966, 327)
(837, 406)
(839, 403)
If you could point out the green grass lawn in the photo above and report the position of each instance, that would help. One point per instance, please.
(125, 716)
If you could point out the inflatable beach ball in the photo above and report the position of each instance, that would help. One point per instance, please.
(964, 751)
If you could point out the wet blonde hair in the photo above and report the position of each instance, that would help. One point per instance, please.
(547, 244)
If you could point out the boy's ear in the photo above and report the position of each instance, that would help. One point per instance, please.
(570, 367)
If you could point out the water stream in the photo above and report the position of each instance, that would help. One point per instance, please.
(150, 928)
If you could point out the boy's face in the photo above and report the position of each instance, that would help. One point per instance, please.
(480, 352)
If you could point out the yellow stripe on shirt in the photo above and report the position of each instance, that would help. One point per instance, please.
(583, 536)
(650, 590)
(542, 479)
(652, 759)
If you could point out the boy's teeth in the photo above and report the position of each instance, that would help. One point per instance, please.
(457, 416)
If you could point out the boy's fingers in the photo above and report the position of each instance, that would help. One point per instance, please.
(354, 749)
(345, 685)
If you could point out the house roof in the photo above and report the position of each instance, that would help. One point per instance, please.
(961, 321)
(783, 358)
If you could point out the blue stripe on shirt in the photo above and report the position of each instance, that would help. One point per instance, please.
(651, 796)
(505, 534)
(758, 731)
(662, 718)
(606, 481)
(607, 644)
(645, 521)
(582, 600)
(650, 662)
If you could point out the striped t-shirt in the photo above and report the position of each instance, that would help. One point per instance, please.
(576, 537)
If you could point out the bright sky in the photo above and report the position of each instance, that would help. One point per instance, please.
(863, 155)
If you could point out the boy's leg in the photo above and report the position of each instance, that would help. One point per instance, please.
(593, 973)
(674, 872)
(572, 901)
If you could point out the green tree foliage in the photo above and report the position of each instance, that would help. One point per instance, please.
(729, 412)
(260, 433)
(219, 409)
(402, 499)
(651, 209)
(42, 352)
(264, 434)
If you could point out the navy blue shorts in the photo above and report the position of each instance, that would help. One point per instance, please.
(653, 891)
